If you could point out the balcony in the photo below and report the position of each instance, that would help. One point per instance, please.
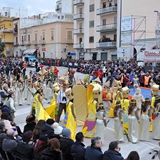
(15, 31)
(107, 10)
(78, 31)
(21, 43)
(106, 45)
(58, 7)
(28, 43)
(78, 16)
(8, 41)
(69, 41)
(42, 42)
(15, 43)
(35, 42)
(78, 2)
(110, 28)
(7, 30)
(78, 46)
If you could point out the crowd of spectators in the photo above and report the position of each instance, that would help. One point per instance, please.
(47, 140)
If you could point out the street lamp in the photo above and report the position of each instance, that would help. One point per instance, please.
(157, 30)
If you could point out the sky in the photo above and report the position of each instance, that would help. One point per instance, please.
(33, 6)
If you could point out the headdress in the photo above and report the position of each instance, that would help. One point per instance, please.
(68, 93)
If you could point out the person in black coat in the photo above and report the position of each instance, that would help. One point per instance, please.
(77, 149)
(65, 144)
(52, 152)
(113, 152)
(30, 120)
(25, 147)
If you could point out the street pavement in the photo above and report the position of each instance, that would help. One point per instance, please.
(143, 147)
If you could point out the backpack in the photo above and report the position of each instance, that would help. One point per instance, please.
(39, 146)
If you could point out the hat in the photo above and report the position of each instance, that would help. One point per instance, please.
(57, 128)
(66, 132)
(78, 82)
(125, 90)
(68, 93)
(36, 86)
(61, 78)
(97, 80)
(155, 87)
(56, 87)
(96, 91)
(50, 121)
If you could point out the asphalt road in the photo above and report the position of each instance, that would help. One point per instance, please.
(143, 148)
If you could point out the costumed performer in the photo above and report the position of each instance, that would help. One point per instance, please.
(70, 117)
(144, 125)
(156, 122)
(89, 127)
(118, 122)
(100, 122)
(52, 109)
(37, 106)
(154, 90)
(20, 91)
(133, 122)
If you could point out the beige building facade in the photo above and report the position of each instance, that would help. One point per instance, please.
(48, 40)
(94, 19)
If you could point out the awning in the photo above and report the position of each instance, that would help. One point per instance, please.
(29, 51)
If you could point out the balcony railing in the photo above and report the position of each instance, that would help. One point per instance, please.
(42, 42)
(107, 28)
(7, 41)
(78, 2)
(58, 7)
(78, 31)
(78, 46)
(107, 10)
(69, 41)
(7, 30)
(27, 43)
(15, 44)
(106, 45)
(21, 43)
(78, 16)
(35, 42)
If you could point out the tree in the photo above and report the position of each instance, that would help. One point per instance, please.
(2, 46)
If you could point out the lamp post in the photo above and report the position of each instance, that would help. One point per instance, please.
(120, 23)
(157, 32)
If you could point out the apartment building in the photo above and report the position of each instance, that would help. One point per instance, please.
(6, 35)
(45, 37)
(97, 26)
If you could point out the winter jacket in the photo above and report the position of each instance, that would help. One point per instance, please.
(93, 153)
(78, 151)
(51, 155)
(112, 155)
(65, 147)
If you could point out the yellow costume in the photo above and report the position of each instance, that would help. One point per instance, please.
(70, 118)
(89, 127)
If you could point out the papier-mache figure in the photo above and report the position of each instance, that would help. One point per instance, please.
(154, 90)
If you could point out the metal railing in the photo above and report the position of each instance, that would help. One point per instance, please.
(35, 42)
(78, 45)
(107, 27)
(79, 31)
(42, 41)
(78, 16)
(106, 44)
(107, 10)
(77, 2)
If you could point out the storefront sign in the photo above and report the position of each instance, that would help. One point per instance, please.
(146, 53)
(151, 60)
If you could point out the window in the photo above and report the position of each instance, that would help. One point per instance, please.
(115, 37)
(6, 14)
(104, 4)
(80, 10)
(104, 21)
(80, 40)
(28, 37)
(91, 24)
(22, 39)
(35, 36)
(43, 35)
(16, 40)
(69, 34)
(91, 39)
(52, 35)
(80, 25)
(91, 7)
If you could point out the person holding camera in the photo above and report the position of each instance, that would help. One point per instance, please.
(62, 100)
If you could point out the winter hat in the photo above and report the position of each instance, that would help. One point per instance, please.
(50, 121)
(57, 128)
(66, 132)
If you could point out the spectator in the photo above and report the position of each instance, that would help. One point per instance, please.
(30, 120)
(37, 129)
(133, 156)
(65, 144)
(94, 152)
(25, 147)
(9, 144)
(2, 136)
(53, 150)
(113, 152)
(147, 79)
(77, 149)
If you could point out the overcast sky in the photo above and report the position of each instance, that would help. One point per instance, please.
(33, 6)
